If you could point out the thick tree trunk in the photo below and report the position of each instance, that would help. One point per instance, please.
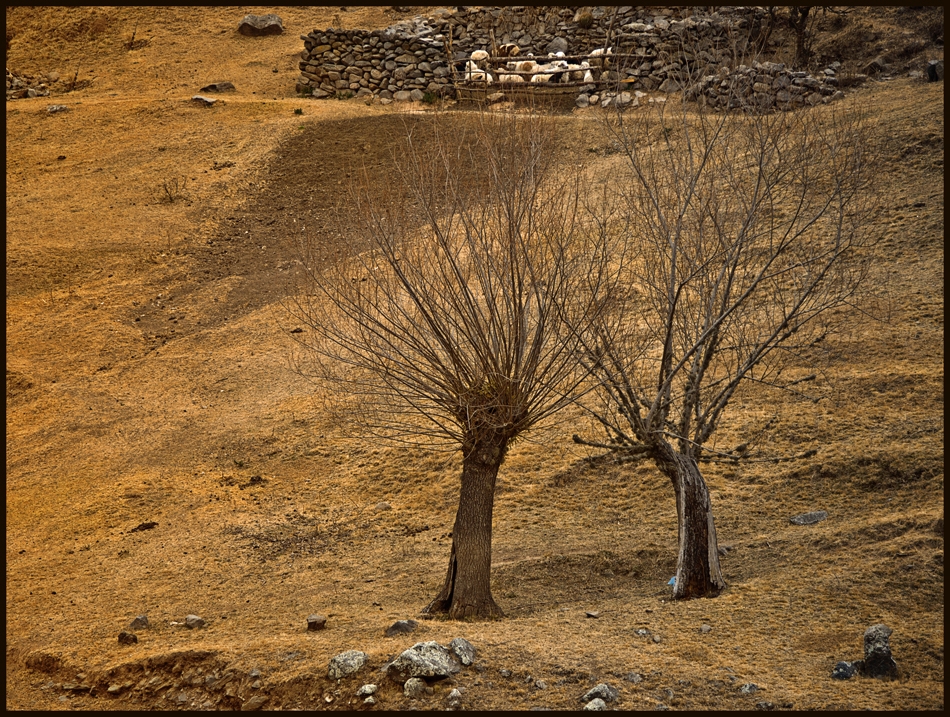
(697, 571)
(467, 589)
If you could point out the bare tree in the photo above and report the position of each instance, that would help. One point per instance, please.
(451, 325)
(746, 242)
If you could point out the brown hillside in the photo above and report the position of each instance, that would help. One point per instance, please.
(149, 246)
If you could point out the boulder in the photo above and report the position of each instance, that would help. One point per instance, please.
(139, 623)
(558, 44)
(843, 671)
(257, 25)
(193, 621)
(127, 638)
(596, 705)
(346, 663)
(424, 659)
(878, 661)
(414, 687)
(316, 622)
(603, 691)
(934, 70)
(401, 627)
(463, 650)
(808, 518)
(219, 87)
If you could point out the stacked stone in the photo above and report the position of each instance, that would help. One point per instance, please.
(654, 49)
(20, 86)
(765, 86)
(380, 63)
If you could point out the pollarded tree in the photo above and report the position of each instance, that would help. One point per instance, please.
(747, 243)
(457, 323)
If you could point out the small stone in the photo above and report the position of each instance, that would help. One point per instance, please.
(592, 614)
(766, 706)
(749, 688)
(366, 690)
(414, 687)
(602, 691)
(705, 629)
(657, 640)
(463, 650)
(255, 703)
(633, 677)
(541, 684)
(582, 102)
(809, 518)
(455, 698)
(193, 621)
(219, 87)
(346, 663)
(316, 622)
(596, 705)
(369, 700)
(843, 671)
(139, 623)
(205, 101)
(127, 638)
(660, 707)
(257, 25)
(504, 673)
(53, 109)
(381, 506)
(254, 673)
(401, 627)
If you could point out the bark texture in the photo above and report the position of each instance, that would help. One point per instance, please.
(697, 571)
(466, 592)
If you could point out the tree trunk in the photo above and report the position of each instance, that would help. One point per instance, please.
(467, 589)
(697, 571)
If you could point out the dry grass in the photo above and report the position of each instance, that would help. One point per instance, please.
(112, 422)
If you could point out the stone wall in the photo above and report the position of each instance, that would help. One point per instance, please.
(654, 49)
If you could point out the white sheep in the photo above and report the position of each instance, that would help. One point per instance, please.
(541, 78)
(474, 73)
(527, 66)
(479, 55)
(510, 78)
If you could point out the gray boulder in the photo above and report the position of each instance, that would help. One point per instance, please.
(222, 86)
(424, 659)
(139, 623)
(463, 650)
(346, 663)
(257, 25)
(809, 518)
(401, 627)
(558, 44)
(596, 705)
(602, 691)
(878, 661)
(843, 671)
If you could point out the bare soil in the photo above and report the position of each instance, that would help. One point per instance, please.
(150, 243)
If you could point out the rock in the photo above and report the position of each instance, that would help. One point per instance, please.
(53, 109)
(504, 673)
(255, 703)
(602, 691)
(127, 638)
(596, 705)
(424, 659)
(843, 671)
(935, 70)
(414, 687)
(366, 690)
(749, 688)
(369, 700)
(416, 95)
(257, 25)
(767, 706)
(657, 639)
(316, 622)
(592, 614)
(205, 101)
(705, 629)
(219, 87)
(634, 677)
(463, 650)
(540, 684)
(193, 621)
(660, 707)
(558, 44)
(809, 518)
(401, 627)
(381, 506)
(346, 663)
(455, 698)
(582, 101)
(402, 96)
(495, 98)
(878, 661)
(139, 623)
(875, 66)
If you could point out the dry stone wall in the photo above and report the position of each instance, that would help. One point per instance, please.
(654, 49)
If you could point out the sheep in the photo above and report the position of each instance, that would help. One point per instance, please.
(527, 66)
(479, 55)
(474, 73)
(510, 78)
(541, 78)
(509, 49)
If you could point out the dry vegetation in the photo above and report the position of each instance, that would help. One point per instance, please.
(148, 380)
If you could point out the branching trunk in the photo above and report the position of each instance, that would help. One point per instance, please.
(467, 589)
(697, 571)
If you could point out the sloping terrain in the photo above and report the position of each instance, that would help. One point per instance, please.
(149, 247)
